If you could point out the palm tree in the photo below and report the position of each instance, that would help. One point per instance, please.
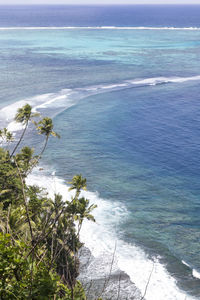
(23, 116)
(46, 127)
(78, 183)
(14, 222)
(25, 159)
(64, 243)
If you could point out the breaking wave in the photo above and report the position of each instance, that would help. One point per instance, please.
(54, 103)
(99, 28)
(195, 273)
(130, 258)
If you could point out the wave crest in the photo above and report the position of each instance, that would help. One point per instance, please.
(100, 28)
(54, 103)
(129, 258)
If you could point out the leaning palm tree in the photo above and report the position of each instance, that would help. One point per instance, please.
(23, 116)
(46, 127)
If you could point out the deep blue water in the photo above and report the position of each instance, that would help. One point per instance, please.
(137, 143)
(97, 15)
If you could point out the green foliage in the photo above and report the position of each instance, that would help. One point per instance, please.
(45, 126)
(5, 136)
(16, 281)
(24, 114)
(25, 160)
(10, 184)
(39, 236)
(78, 183)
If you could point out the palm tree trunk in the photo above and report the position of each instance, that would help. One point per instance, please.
(45, 145)
(40, 155)
(19, 139)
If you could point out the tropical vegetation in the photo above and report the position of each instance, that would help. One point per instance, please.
(39, 235)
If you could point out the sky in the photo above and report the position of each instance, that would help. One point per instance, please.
(7, 2)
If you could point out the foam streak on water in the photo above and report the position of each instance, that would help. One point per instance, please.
(67, 97)
(100, 28)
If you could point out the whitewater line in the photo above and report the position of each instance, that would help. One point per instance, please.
(130, 258)
(99, 28)
(66, 98)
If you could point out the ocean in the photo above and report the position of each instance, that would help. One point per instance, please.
(122, 84)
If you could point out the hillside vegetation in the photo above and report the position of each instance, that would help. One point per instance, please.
(39, 235)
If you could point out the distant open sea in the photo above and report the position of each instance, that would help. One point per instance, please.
(122, 84)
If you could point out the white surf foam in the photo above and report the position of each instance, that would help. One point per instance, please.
(57, 100)
(101, 238)
(38, 103)
(138, 82)
(14, 126)
(68, 97)
(196, 274)
(100, 28)
(8, 112)
(162, 80)
(186, 264)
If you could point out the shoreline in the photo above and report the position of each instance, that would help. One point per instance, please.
(108, 282)
(102, 244)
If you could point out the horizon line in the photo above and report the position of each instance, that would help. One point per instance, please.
(99, 4)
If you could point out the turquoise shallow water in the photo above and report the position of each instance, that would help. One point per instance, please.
(126, 104)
